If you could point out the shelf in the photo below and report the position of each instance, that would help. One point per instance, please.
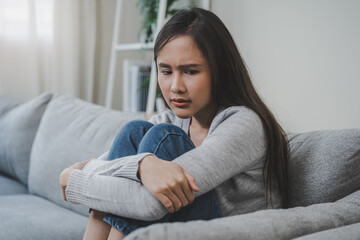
(134, 46)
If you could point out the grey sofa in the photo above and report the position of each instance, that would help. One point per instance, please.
(41, 137)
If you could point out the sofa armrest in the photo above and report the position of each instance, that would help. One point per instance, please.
(344, 233)
(266, 224)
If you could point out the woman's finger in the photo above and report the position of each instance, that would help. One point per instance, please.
(190, 196)
(187, 190)
(174, 198)
(166, 202)
(191, 181)
(178, 190)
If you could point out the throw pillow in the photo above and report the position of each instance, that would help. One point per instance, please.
(18, 127)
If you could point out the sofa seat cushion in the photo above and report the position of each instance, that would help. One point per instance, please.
(31, 217)
(18, 127)
(265, 224)
(71, 131)
(349, 232)
(10, 186)
(324, 166)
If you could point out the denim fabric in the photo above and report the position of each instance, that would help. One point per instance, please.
(167, 142)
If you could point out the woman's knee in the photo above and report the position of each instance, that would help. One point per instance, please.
(134, 127)
(166, 128)
(127, 140)
(166, 141)
(165, 131)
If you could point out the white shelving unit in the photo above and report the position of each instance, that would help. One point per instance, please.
(136, 46)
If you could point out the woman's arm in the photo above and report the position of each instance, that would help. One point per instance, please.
(120, 196)
(233, 146)
(166, 181)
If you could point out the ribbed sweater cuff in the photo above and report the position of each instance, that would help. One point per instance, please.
(77, 188)
(130, 169)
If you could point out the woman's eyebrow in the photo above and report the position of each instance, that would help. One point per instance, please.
(164, 65)
(185, 66)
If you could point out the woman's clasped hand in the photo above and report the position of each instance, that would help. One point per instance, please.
(65, 174)
(171, 184)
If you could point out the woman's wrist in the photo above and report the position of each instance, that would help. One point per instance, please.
(65, 175)
(64, 178)
(141, 165)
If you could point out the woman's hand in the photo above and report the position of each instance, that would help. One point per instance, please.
(65, 174)
(168, 182)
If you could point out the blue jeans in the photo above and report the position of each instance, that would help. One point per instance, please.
(166, 141)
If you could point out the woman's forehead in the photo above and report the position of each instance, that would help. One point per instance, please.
(181, 50)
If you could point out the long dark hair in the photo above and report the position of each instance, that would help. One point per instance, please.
(231, 85)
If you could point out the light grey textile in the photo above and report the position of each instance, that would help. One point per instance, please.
(18, 128)
(7, 103)
(230, 160)
(350, 232)
(10, 186)
(32, 217)
(265, 224)
(324, 166)
(71, 130)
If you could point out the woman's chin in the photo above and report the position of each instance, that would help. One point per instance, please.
(182, 113)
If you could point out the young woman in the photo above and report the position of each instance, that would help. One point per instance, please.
(218, 152)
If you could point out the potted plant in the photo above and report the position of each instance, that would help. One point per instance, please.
(149, 9)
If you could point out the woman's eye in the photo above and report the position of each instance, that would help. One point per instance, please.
(166, 72)
(191, 72)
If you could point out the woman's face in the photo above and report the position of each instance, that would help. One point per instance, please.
(184, 78)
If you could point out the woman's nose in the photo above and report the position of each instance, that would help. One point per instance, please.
(177, 84)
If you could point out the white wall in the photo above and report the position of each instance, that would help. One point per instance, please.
(130, 25)
(303, 56)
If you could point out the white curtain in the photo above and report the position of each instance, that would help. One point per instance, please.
(47, 45)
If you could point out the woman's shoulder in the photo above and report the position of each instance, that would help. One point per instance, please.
(235, 117)
(238, 124)
(245, 111)
(238, 114)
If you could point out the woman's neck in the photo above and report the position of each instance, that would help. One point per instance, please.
(204, 118)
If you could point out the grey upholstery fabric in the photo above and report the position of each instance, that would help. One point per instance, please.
(266, 224)
(350, 232)
(32, 217)
(324, 166)
(18, 128)
(7, 103)
(10, 186)
(71, 130)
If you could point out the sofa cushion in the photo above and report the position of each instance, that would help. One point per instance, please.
(71, 130)
(349, 232)
(266, 224)
(324, 166)
(18, 126)
(32, 218)
(10, 186)
(7, 103)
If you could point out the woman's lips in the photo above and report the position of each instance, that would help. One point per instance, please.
(180, 102)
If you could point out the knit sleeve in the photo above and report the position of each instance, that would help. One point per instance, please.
(234, 146)
(126, 167)
(116, 195)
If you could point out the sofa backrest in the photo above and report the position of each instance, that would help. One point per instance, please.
(71, 131)
(18, 126)
(324, 166)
